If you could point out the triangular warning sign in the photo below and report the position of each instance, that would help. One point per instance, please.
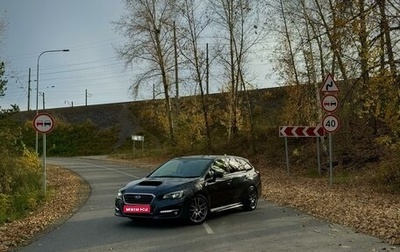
(329, 85)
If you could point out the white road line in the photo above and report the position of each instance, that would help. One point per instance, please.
(111, 169)
(208, 228)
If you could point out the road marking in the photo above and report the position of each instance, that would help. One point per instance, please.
(208, 228)
(111, 169)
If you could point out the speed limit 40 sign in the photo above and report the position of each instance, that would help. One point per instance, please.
(330, 123)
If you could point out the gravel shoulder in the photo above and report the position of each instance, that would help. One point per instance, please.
(358, 207)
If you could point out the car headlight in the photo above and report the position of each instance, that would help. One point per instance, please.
(119, 195)
(174, 195)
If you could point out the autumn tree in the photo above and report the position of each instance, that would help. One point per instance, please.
(147, 25)
(299, 56)
(353, 40)
(383, 99)
(240, 25)
(195, 21)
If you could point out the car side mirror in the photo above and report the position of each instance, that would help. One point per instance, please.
(218, 174)
(210, 175)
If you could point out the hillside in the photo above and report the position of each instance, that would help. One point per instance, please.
(128, 119)
(104, 116)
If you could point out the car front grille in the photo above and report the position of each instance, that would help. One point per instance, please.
(138, 198)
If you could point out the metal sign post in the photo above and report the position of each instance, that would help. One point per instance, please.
(43, 123)
(301, 131)
(318, 157)
(330, 122)
(44, 163)
(287, 156)
(330, 160)
(139, 139)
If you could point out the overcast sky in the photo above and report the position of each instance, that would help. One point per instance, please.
(85, 28)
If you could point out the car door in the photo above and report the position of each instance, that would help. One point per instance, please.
(218, 188)
(237, 178)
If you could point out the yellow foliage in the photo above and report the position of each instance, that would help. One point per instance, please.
(301, 107)
(19, 173)
(20, 184)
(4, 204)
(380, 99)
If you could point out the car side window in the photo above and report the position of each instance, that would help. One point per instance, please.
(220, 165)
(246, 165)
(237, 164)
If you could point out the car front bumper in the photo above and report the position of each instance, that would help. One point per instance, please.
(159, 209)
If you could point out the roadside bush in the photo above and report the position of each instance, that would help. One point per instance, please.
(20, 185)
(4, 206)
(389, 175)
(20, 173)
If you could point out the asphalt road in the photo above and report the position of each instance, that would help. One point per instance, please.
(269, 228)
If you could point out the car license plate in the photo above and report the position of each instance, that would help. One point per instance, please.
(137, 209)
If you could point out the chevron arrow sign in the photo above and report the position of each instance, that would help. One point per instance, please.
(301, 131)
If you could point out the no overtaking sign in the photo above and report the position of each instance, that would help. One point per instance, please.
(43, 123)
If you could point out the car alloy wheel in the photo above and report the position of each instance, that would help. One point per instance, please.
(252, 199)
(198, 210)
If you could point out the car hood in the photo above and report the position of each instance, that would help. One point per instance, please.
(158, 186)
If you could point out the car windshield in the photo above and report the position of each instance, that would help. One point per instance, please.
(182, 168)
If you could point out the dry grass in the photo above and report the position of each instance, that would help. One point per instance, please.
(359, 206)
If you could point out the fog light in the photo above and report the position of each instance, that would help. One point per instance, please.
(174, 211)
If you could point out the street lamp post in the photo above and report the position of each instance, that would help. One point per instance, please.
(37, 89)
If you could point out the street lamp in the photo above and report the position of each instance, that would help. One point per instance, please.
(37, 88)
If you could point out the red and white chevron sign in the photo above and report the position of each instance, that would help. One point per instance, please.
(301, 131)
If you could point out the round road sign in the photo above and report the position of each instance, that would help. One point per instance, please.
(330, 123)
(43, 123)
(330, 103)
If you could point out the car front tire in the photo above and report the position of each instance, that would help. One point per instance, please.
(198, 209)
(251, 200)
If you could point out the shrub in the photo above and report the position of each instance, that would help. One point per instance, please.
(389, 175)
(4, 206)
(20, 181)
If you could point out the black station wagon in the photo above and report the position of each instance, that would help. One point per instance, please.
(190, 188)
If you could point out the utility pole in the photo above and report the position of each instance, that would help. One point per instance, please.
(86, 96)
(176, 65)
(207, 71)
(29, 90)
(44, 102)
